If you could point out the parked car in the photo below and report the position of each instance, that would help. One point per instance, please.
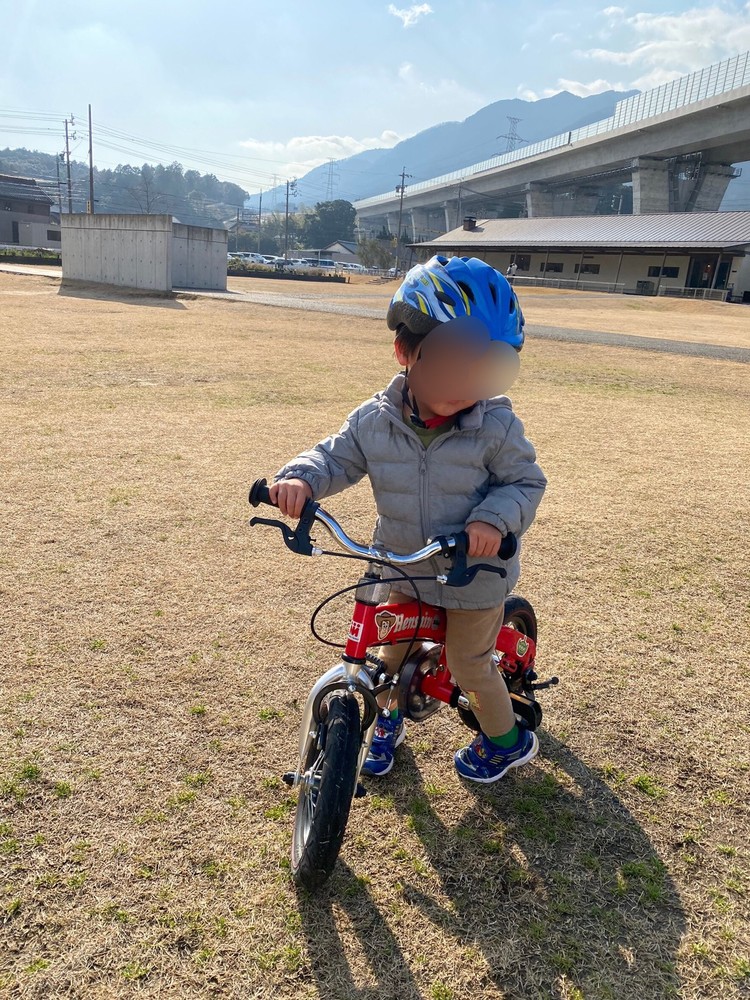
(255, 258)
(350, 265)
(326, 264)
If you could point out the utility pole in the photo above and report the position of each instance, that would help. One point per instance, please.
(293, 185)
(260, 206)
(237, 231)
(61, 156)
(91, 168)
(67, 157)
(400, 188)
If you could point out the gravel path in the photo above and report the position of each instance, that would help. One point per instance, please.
(306, 301)
(695, 350)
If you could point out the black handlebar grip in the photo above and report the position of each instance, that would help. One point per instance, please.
(259, 493)
(508, 546)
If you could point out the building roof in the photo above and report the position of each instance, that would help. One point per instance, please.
(671, 231)
(347, 245)
(22, 189)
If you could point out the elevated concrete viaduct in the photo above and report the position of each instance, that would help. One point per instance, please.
(680, 160)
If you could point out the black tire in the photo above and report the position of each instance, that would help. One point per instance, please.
(325, 796)
(519, 614)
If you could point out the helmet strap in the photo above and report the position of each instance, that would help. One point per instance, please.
(410, 401)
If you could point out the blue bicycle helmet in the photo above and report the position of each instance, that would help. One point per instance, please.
(448, 287)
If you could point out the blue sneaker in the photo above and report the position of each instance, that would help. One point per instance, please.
(486, 762)
(388, 735)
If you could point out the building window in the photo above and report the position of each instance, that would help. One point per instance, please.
(552, 267)
(31, 210)
(53, 236)
(664, 272)
(589, 268)
(523, 260)
(6, 206)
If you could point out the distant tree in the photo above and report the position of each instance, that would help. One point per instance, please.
(330, 221)
(144, 193)
(373, 253)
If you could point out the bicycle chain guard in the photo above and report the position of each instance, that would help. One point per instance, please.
(412, 701)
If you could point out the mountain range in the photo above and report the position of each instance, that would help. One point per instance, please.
(438, 150)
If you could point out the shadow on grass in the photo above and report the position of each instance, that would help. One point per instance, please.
(345, 900)
(114, 293)
(555, 882)
(549, 878)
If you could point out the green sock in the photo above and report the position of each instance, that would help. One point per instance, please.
(393, 714)
(507, 739)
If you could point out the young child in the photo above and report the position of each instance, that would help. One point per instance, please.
(443, 457)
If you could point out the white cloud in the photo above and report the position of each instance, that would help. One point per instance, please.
(666, 46)
(410, 15)
(587, 89)
(572, 86)
(301, 153)
(443, 92)
(614, 12)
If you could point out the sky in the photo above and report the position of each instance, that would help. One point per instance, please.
(260, 92)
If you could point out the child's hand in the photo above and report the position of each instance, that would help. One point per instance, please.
(484, 540)
(290, 495)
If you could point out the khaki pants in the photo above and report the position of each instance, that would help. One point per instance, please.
(469, 644)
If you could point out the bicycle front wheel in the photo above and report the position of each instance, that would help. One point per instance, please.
(326, 790)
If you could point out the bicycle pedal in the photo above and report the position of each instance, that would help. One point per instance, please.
(544, 684)
(361, 791)
(289, 777)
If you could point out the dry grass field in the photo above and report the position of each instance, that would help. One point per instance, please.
(155, 654)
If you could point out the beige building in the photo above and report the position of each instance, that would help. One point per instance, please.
(701, 254)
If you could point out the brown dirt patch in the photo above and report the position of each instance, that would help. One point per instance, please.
(155, 653)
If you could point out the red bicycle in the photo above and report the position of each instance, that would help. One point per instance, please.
(338, 720)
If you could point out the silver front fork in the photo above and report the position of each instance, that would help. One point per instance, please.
(351, 676)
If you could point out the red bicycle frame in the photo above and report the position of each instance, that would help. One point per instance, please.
(388, 624)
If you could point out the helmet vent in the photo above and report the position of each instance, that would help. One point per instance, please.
(467, 289)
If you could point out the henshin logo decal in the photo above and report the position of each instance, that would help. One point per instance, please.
(387, 622)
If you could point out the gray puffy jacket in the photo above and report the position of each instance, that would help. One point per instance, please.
(483, 469)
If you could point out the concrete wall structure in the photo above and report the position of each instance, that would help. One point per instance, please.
(148, 252)
(199, 257)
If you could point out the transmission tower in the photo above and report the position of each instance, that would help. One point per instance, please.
(332, 179)
(512, 136)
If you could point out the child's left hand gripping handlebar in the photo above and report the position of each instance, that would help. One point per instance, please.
(299, 539)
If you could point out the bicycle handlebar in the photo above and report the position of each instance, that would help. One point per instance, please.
(451, 545)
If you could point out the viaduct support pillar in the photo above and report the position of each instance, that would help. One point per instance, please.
(450, 208)
(420, 223)
(540, 201)
(711, 187)
(585, 201)
(650, 186)
(392, 223)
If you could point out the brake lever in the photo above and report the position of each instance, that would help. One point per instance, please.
(297, 541)
(461, 575)
(464, 576)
